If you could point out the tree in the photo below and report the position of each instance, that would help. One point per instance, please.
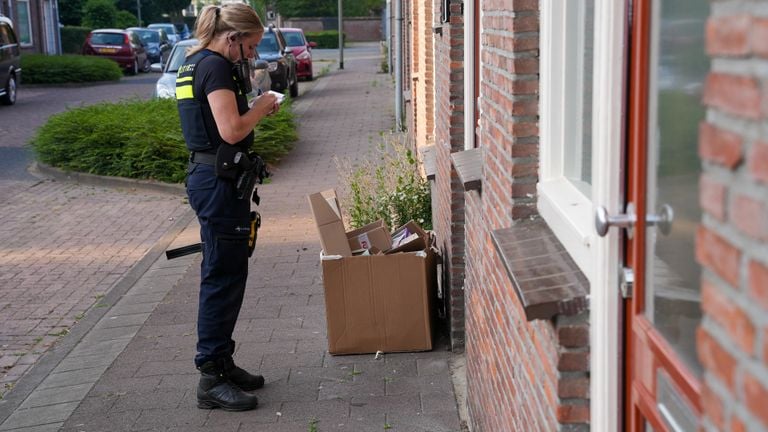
(71, 12)
(328, 8)
(173, 7)
(99, 13)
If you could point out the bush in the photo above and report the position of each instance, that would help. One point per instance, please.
(99, 13)
(276, 134)
(125, 19)
(73, 38)
(325, 39)
(70, 68)
(138, 139)
(388, 186)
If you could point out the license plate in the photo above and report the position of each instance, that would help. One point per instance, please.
(107, 50)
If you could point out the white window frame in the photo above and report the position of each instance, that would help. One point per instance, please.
(28, 8)
(568, 211)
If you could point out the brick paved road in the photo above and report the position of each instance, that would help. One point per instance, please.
(63, 245)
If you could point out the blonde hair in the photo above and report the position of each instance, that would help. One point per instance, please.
(233, 17)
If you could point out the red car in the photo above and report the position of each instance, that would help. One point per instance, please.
(123, 46)
(302, 50)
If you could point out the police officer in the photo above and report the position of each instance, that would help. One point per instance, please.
(211, 91)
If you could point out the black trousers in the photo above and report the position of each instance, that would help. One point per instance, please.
(224, 228)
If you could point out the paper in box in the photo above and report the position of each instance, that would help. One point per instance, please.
(379, 303)
(374, 235)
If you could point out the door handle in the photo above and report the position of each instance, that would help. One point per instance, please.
(662, 220)
(603, 220)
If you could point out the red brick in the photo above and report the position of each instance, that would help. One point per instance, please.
(718, 254)
(712, 407)
(758, 283)
(758, 161)
(729, 35)
(719, 146)
(749, 216)
(759, 36)
(737, 425)
(573, 413)
(755, 397)
(712, 197)
(573, 336)
(734, 94)
(573, 361)
(573, 388)
(715, 358)
(729, 315)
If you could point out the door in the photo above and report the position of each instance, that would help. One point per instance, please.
(668, 64)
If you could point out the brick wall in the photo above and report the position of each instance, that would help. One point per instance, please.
(448, 195)
(732, 241)
(526, 376)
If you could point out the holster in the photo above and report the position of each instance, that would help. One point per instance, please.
(255, 225)
(226, 164)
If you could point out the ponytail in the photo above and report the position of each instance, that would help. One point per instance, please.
(214, 20)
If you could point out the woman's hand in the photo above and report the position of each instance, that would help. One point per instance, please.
(265, 104)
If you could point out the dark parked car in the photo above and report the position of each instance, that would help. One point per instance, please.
(282, 63)
(302, 50)
(123, 46)
(156, 41)
(10, 62)
(170, 30)
(183, 30)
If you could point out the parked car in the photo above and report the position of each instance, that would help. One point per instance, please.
(123, 46)
(170, 30)
(302, 51)
(156, 41)
(282, 63)
(10, 62)
(166, 85)
(183, 30)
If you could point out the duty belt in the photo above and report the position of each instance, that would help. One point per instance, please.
(202, 158)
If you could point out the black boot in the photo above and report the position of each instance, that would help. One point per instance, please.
(215, 390)
(240, 377)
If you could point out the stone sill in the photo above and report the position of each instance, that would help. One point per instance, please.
(469, 167)
(546, 279)
(429, 157)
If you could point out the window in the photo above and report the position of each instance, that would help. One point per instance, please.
(565, 185)
(25, 23)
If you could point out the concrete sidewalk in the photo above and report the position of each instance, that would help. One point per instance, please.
(133, 370)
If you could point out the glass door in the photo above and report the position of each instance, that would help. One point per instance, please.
(668, 68)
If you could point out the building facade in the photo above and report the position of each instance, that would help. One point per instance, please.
(547, 128)
(36, 23)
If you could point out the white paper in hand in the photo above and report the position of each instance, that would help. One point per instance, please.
(279, 96)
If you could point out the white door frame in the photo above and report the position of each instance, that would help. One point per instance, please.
(609, 117)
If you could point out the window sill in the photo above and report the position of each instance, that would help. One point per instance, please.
(428, 156)
(545, 278)
(469, 167)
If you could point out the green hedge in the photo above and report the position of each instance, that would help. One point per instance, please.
(69, 68)
(325, 39)
(139, 139)
(73, 38)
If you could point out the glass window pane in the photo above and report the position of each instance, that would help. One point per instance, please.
(577, 154)
(679, 65)
(25, 32)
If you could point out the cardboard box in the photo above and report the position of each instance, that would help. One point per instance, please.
(372, 236)
(330, 226)
(327, 213)
(380, 302)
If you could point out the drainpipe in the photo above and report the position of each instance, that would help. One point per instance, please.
(469, 75)
(388, 35)
(399, 65)
(341, 37)
(58, 27)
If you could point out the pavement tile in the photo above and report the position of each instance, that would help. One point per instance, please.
(188, 415)
(57, 395)
(445, 421)
(425, 384)
(265, 413)
(326, 410)
(38, 416)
